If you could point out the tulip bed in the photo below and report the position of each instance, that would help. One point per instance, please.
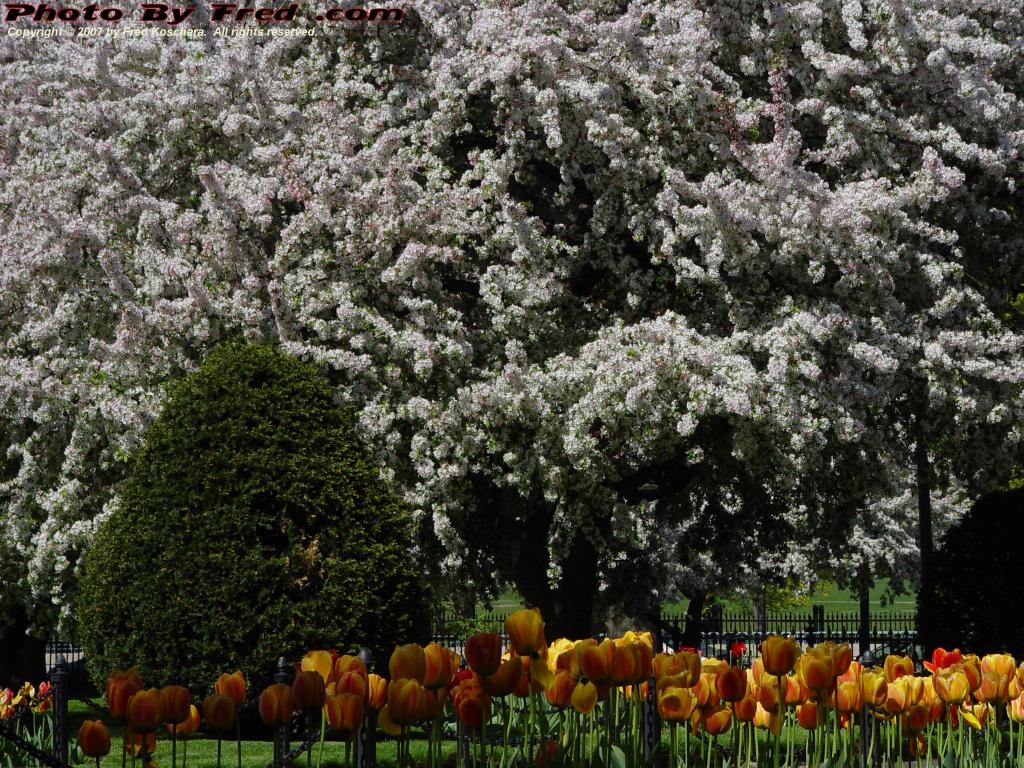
(582, 703)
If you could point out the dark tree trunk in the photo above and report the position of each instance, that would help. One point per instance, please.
(864, 632)
(567, 608)
(22, 658)
(694, 615)
(925, 608)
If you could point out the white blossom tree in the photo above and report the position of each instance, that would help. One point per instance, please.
(632, 299)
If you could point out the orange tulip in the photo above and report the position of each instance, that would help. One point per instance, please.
(897, 699)
(745, 709)
(276, 704)
(121, 686)
(816, 669)
(596, 661)
(559, 694)
(675, 704)
(409, 662)
(344, 711)
(525, 629)
(483, 653)
(842, 657)
(94, 738)
(795, 690)
(809, 715)
(918, 745)
(219, 711)
(346, 663)
(941, 659)
(971, 667)
(504, 681)
(1015, 709)
(897, 666)
(732, 684)
(133, 743)
(176, 702)
(232, 685)
(849, 696)
(716, 720)
(470, 710)
(546, 754)
(405, 699)
(144, 712)
(584, 697)
(376, 692)
(352, 681)
(438, 667)
(779, 654)
(308, 691)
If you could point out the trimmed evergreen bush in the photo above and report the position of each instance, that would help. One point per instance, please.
(977, 593)
(253, 525)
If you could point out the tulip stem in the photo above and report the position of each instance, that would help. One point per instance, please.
(778, 733)
(673, 732)
(218, 752)
(174, 745)
(323, 730)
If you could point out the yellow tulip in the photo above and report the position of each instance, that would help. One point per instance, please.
(525, 629)
(584, 698)
(779, 654)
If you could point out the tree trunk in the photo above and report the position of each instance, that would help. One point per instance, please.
(22, 658)
(694, 614)
(925, 608)
(567, 608)
(864, 633)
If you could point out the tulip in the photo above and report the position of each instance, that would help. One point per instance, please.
(716, 720)
(951, 685)
(849, 697)
(942, 659)
(346, 663)
(189, 724)
(769, 719)
(970, 665)
(344, 711)
(584, 697)
(431, 705)
(842, 657)
(352, 681)
(308, 691)
(556, 649)
(675, 704)
(409, 662)
(276, 705)
(874, 687)
(627, 664)
(809, 715)
(732, 684)
(975, 715)
(470, 710)
(504, 681)
(525, 629)
(559, 693)
(745, 709)
(483, 653)
(918, 745)
(219, 711)
(897, 666)
(437, 667)
(896, 699)
(121, 686)
(405, 699)
(376, 692)
(144, 713)
(917, 718)
(232, 685)
(135, 742)
(176, 703)
(94, 739)
(596, 662)
(706, 690)
(816, 669)
(318, 661)
(779, 654)
(546, 754)
(1015, 709)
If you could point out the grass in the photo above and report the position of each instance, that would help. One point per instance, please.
(834, 600)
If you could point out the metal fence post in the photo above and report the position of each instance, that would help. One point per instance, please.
(366, 736)
(282, 734)
(651, 724)
(59, 694)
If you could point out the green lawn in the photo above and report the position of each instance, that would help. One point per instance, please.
(834, 599)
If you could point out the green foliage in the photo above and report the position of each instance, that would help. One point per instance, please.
(253, 525)
(975, 596)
